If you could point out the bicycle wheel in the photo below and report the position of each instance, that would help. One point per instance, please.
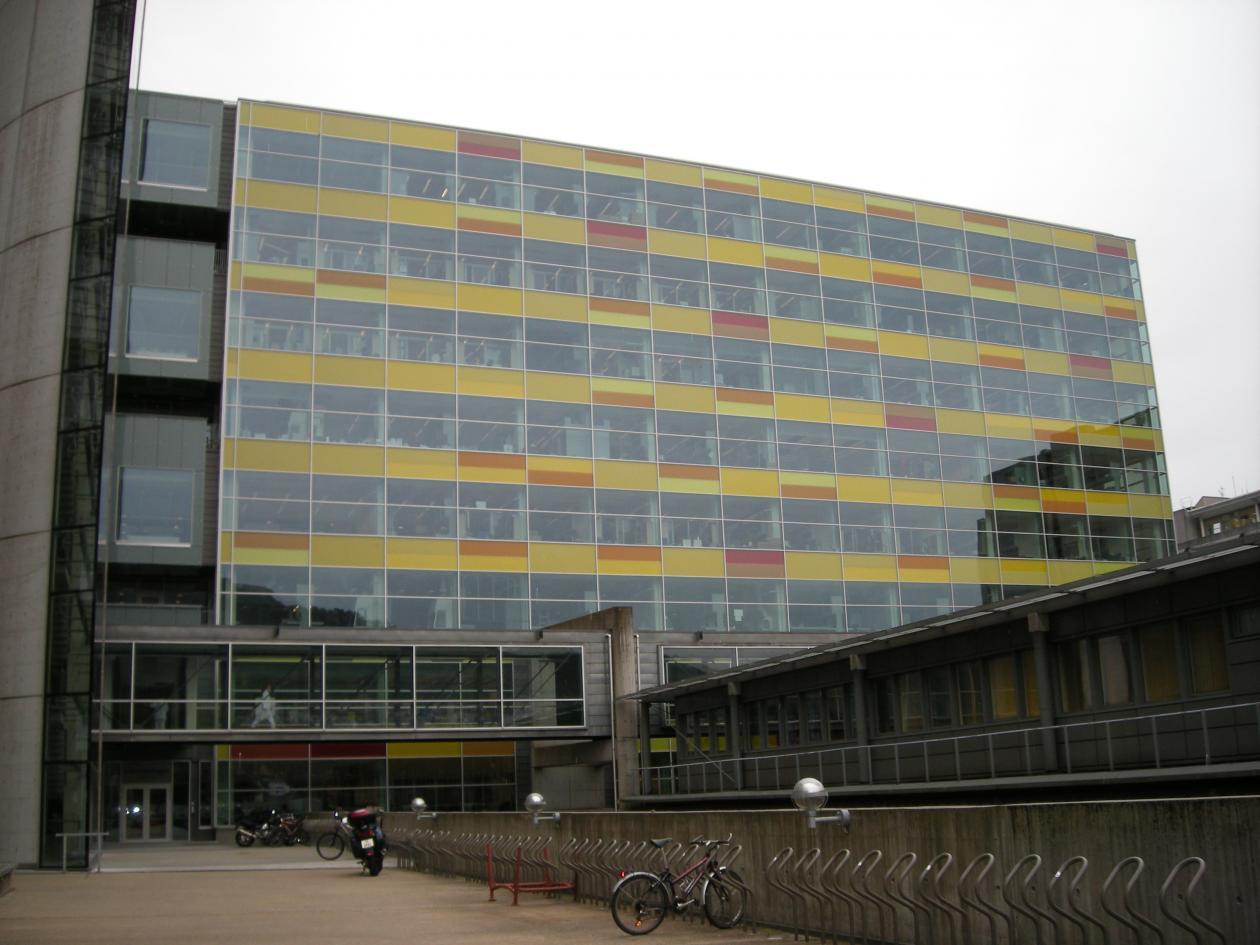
(639, 902)
(723, 899)
(330, 846)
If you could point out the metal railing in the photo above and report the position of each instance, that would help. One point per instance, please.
(1212, 735)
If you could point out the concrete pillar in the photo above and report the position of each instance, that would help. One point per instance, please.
(733, 740)
(857, 665)
(1038, 629)
(623, 672)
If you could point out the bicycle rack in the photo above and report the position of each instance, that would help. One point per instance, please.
(935, 872)
(892, 886)
(1166, 889)
(974, 900)
(810, 890)
(863, 891)
(774, 868)
(832, 879)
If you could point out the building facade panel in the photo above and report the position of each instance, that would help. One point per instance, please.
(580, 378)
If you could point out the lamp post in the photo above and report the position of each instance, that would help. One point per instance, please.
(810, 796)
(421, 809)
(534, 803)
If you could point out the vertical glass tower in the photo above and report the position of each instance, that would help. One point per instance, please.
(481, 381)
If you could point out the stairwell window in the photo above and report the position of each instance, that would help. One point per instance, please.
(155, 506)
(176, 154)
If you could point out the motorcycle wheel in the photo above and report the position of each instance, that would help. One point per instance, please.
(375, 864)
(273, 838)
(244, 839)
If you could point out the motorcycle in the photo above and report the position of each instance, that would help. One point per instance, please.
(366, 838)
(271, 831)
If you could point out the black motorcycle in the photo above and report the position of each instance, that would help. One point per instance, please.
(361, 831)
(272, 830)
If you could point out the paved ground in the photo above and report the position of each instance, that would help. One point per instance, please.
(216, 896)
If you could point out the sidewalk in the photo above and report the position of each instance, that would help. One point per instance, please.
(330, 905)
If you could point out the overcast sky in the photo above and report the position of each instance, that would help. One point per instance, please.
(1139, 118)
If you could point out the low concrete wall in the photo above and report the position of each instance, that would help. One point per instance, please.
(1162, 832)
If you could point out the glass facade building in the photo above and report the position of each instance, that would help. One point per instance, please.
(477, 381)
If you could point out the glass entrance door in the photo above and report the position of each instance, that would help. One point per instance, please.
(146, 812)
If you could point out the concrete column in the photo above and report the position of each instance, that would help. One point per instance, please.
(733, 739)
(1038, 629)
(624, 677)
(857, 665)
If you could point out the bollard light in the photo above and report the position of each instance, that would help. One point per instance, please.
(421, 809)
(534, 803)
(810, 796)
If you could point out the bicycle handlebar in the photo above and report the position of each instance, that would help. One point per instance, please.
(701, 841)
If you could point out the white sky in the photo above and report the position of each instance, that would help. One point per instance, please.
(1139, 118)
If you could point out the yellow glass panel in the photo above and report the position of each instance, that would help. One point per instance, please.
(615, 474)
(291, 274)
(863, 489)
(235, 276)
(1032, 232)
(890, 203)
(1046, 362)
(571, 388)
(735, 251)
(960, 421)
(1100, 434)
(1127, 372)
(1075, 239)
(730, 177)
(903, 346)
(356, 372)
(974, 571)
(1024, 571)
(938, 216)
(352, 203)
(687, 484)
(694, 321)
(916, 492)
(967, 495)
(761, 482)
(538, 152)
(231, 362)
(693, 562)
(273, 455)
(611, 564)
(421, 553)
(868, 336)
(815, 481)
(870, 567)
(491, 382)
(352, 126)
(424, 293)
(615, 385)
(275, 196)
(777, 189)
(861, 413)
(274, 365)
(671, 173)
(685, 397)
(347, 551)
(348, 460)
(806, 566)
(411, 375)
(922, 572)
(420, 464)
(561, 559)
(488, 298)
(544, 226)
(669, 243)
(567, 308)
(939, 280)
(422, 212)
(793, 332)
(1150, 506)
(492, 215)
(1064, 572)
(898, 271)
(1106, 503)
(284, 119)
(802, 407)
(844, 267)
(474, 472)
(785, 257)
(1001, 424)
(352, 293)
(1086, 302)
(470, 560)
(1006, 356)
(1043, 295)
(839, 199)
(739, 408)
(422, 750)
(950, 349)
(422, 136)
(273, 556)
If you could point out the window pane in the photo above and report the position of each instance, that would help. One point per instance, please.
(1002, 690)
(1207, 654)
(1159, 662)
(175, 153)
(164, 323)
(1074, 692)
(155, 506)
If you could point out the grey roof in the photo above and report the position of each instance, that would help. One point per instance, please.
(1237, 549)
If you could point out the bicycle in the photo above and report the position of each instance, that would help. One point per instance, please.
(640, 899)
(332, 844)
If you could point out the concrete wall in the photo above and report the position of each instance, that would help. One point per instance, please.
(1161, 831)
(43, 65)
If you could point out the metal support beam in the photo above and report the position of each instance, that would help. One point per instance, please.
(1039, 629)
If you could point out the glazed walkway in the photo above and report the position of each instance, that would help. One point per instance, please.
(215, 895)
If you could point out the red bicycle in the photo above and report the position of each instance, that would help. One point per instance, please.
(640, 900)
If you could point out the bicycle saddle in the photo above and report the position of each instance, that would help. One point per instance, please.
(663, 843)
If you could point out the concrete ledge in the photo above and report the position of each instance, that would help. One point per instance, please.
(6, 877)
